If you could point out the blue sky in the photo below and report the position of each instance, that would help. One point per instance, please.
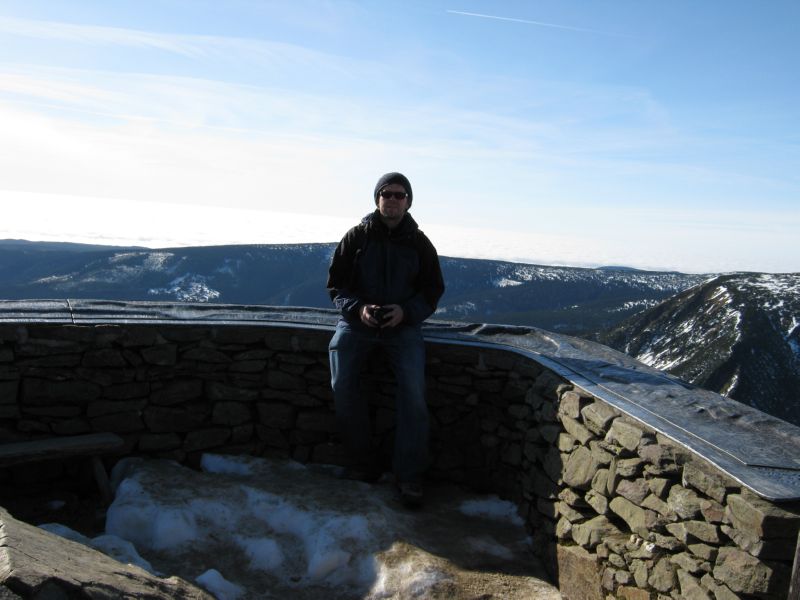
(656, 135)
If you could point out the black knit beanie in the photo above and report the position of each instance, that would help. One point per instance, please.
(394, 178)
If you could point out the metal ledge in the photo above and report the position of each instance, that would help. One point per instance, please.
(759, 451)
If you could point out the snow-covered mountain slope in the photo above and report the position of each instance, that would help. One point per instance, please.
(738, 334)
(570, 300)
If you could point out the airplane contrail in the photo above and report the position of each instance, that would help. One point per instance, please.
(526, 21)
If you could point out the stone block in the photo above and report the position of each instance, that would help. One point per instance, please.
(52, 411)
(666, 542)
(744, 573)
(600, 481)
(684, 502)
(276, 415)
(690, 587)
(663, 577)
(690, 531)
(639, 520)
(635, 491)
(655, 503)
(105, 357)
(578, 574)
(8, 392)
(285, 381)
(203, 439)
(161, 354)
(713, 511)
(704, 552)
(641, 572)
(221, 391)
(659, 486)
(323, 421)
(720, 592)
(550, 432)
(571, 403)
(570, 513)
(609, 579)
(231, 413)
(563, 529)
(163, 419)
(601, 455)
(768, 549)
(590, 533)
(571, 497)
(541, 485)
(9, 411)
(623, 577)
(576, 430)
(598, 416)
(687, 562)
(42, 392)
(512, 454)
(612, 478)
(548, 508)
(597, 501)
(554, 464)
(242, 433)
(110, 407)
(625, 434)
(580, 468)
(125, 422)
(626, 592)
(274, 438)
(758, 517)
(629, 467)
(711, 484)
(329, 454)
(126, 391)
(159, 442)
(71, 427)
(205, 354)
(566, 442)
(107, 376)
(257, 354)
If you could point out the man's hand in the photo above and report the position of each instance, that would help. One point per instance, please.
(394, 317)
(367, 314)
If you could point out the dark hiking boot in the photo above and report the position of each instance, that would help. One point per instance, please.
(362, 473)
(410, 493)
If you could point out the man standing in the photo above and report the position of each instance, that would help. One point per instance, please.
(386, 280)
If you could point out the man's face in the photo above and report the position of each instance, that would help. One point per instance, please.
(389, 205)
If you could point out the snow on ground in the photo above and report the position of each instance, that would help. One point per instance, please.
(188, 288)
(245, 525)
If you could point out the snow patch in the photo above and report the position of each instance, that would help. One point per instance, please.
(493, 508)
(188, 288)
(213, 581)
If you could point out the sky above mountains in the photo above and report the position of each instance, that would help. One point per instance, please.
(652, 135)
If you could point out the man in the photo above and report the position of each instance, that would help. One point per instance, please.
(385, 279)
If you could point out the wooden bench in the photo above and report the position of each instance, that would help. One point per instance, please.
(59, 448)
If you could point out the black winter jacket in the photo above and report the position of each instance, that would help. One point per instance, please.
(377, 265)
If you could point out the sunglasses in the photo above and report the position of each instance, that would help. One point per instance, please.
(397, 195)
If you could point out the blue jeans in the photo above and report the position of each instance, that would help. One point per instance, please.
(405, 348)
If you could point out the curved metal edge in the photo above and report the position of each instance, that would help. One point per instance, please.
(763, 481)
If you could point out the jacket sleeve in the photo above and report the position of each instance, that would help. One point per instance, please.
(430, 284)
(341, 276)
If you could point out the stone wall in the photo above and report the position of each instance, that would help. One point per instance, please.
(615, 509)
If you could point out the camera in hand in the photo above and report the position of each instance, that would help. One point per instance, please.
(381, 314)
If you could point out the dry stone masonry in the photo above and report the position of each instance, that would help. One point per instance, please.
(616, 509)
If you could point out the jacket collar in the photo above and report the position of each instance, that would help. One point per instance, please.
(405, 228)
